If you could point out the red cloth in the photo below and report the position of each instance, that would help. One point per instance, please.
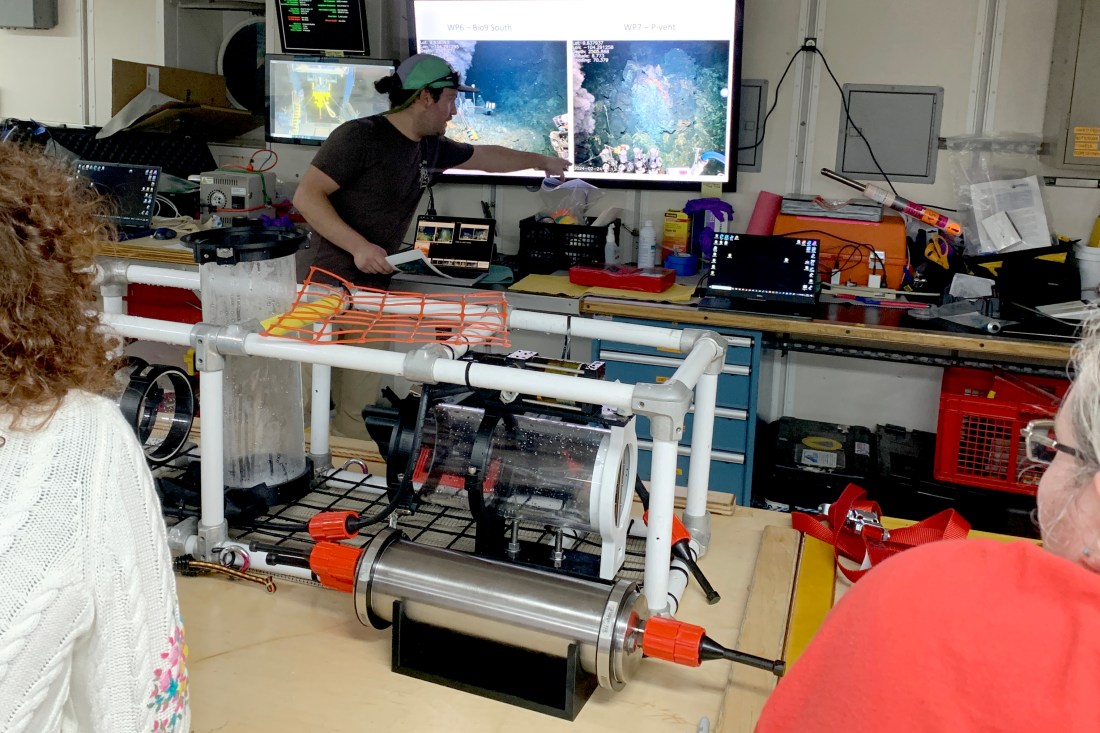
(968, 635)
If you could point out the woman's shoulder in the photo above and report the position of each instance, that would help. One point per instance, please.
(975, 572)
(83, 417)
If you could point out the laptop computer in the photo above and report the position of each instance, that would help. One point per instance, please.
(132, 191)
(461, 248)
(763, 274)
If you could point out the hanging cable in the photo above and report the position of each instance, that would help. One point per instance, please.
(775, 101)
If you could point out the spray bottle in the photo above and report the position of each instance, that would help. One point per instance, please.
(611, 247)
(647, 246)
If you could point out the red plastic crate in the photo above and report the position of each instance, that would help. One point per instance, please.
(166, 304)
(982, 413)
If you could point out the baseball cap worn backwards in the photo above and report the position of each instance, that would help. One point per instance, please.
(425, 71)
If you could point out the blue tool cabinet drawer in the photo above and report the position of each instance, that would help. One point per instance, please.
(727, 471)
(734, 384)
(730, 429)
(739, 352)
(735, 411)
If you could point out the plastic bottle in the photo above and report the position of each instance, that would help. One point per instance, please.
(611, 247)
(647, 246)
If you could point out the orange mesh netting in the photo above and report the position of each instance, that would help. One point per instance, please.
(359, 315)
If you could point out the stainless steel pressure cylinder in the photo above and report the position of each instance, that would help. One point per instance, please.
(524, 607)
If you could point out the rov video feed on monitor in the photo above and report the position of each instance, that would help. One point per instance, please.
(308, 98)
(632, 92)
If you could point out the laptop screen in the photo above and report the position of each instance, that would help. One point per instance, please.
(764, 268)
(456, 245)
(132, 189)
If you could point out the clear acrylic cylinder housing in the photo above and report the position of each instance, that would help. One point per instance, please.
(537, 469)
(264, 423)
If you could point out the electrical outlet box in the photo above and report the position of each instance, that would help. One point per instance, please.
(28, 14)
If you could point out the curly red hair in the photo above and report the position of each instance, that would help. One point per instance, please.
(51, 340)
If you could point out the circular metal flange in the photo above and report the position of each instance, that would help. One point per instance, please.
(617, 650)
(139, 405)
(364, 576)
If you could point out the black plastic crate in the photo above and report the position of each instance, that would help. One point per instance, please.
(546, 247)
(904, 487)
(808, 463)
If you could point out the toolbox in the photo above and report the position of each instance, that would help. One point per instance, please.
(806, 463)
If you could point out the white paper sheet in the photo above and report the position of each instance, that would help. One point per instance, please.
(413, 255)
(1021, 201)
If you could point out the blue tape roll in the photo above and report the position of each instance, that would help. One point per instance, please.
(682, 265)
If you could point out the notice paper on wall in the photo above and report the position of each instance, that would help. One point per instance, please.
(1010, 214)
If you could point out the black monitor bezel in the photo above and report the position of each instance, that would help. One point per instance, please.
(721, 241)
(308, 58)
(730, 184)
(364, 50)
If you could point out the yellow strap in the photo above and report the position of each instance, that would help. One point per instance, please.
(303, 315)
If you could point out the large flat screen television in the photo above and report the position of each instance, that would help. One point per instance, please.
(323, 25)
(634, 93)
(309, 96)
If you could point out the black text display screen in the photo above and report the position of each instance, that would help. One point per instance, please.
(322, 25)
(775, 267)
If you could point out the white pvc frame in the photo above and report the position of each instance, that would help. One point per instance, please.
(698, 372)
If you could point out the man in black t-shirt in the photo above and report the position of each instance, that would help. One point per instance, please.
(363, 187)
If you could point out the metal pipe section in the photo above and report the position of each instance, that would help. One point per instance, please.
(524, 607)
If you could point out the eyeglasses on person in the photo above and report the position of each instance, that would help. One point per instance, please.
(1041, 445)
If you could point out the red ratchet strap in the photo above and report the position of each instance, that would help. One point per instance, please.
(852, 526)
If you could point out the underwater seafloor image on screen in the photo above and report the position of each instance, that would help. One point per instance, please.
(522, 98)
(651, 107)
(311, 99)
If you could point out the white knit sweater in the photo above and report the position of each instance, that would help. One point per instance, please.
(90, 633)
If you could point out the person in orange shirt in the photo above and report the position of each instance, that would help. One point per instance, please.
(974, 635)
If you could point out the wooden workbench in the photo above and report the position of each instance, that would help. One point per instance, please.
(868, 328)
(299, 660)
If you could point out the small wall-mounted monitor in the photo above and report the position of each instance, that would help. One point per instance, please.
(309, 96)
(633, 93)
(319, 26)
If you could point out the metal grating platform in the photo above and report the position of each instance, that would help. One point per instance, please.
(437, 526)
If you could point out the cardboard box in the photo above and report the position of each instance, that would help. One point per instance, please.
(677, 232)
(203, 108)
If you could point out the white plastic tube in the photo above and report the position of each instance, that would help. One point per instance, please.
(695, 363)
(257, 562)
(559, 386)
(211, 448)
(655, 336)
(702, 441)
(162, 276)
(321, 389)
(149, 329)
(658, 546)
